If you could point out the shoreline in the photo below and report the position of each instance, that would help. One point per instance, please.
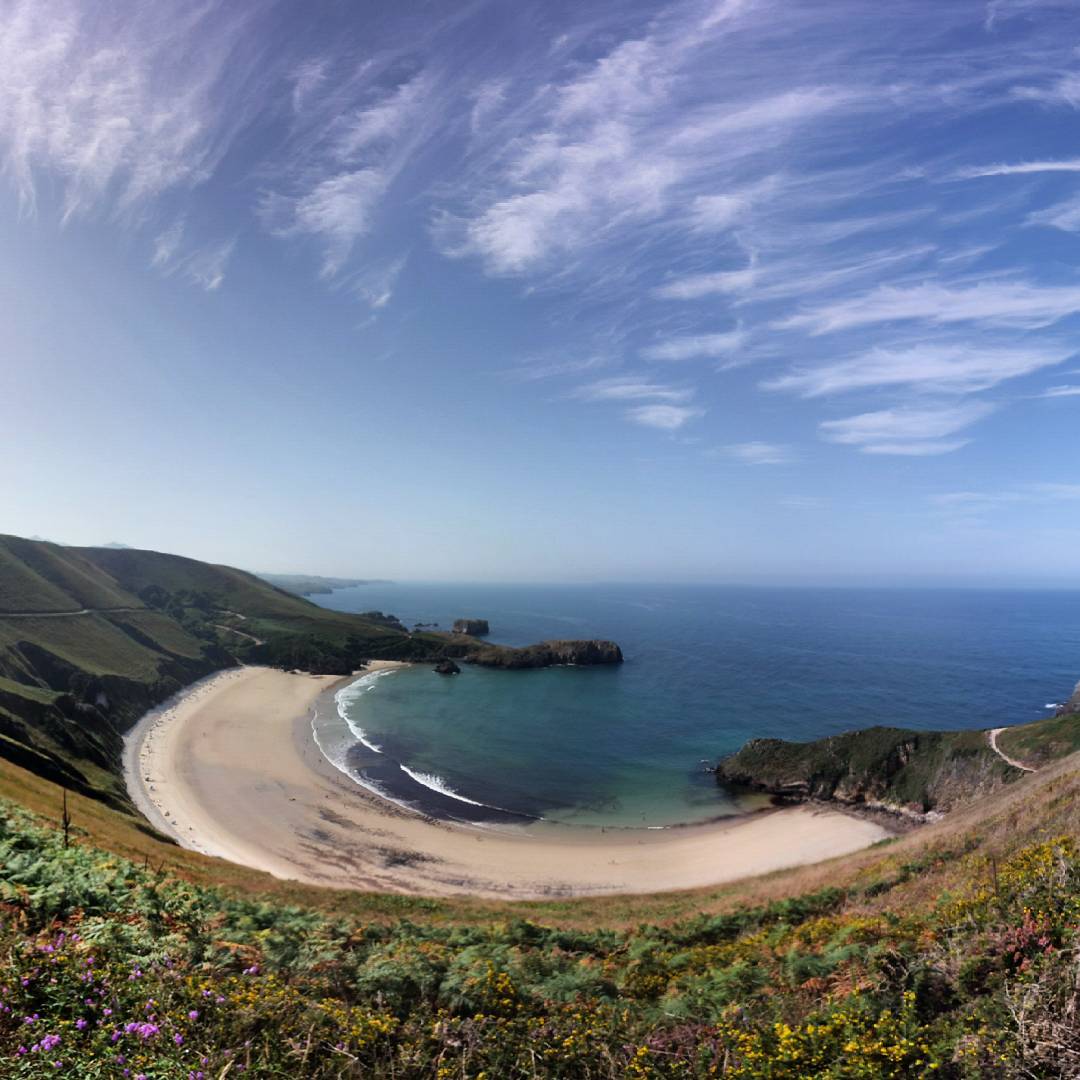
(230, 768)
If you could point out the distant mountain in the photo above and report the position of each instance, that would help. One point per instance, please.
(117, 546)
(312, 584)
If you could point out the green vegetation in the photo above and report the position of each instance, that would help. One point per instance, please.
(948, 953)
(914, 770)
(90, 638)
(1043, 741)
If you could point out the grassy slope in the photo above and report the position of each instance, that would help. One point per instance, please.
(1043, 741)
(919, 770)
(71, 684)
(269, 612)
(925, 949)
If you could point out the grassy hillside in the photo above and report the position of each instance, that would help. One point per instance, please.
(91, 638)
(289, 626)
(1043, 741)
(39, 576)
(911, 770)
(949, 952)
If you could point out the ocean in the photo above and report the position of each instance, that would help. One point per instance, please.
(707, 667)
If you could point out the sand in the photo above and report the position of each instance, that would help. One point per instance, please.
(230, 768)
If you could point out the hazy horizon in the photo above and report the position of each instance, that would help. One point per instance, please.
(725, 291)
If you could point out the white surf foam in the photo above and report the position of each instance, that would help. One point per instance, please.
(437, 783)
(347, 695)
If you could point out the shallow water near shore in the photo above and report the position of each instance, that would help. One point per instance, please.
(706, 669)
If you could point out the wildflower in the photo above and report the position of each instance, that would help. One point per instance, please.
(193, 1014)
(80, 1024)
(178, 1039)
(49, 1042)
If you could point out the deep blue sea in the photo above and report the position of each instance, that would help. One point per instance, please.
(706, 669)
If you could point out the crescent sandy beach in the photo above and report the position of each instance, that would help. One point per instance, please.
(231, 768)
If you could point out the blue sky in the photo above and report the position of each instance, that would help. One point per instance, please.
(737, 290)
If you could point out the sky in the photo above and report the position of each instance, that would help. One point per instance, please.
(521, 290)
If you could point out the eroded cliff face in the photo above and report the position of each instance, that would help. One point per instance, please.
(472, 627)
(547, 654)
(1072, 705)
(908, 771)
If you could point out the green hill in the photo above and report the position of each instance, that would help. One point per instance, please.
(949, 952)
(90, 638)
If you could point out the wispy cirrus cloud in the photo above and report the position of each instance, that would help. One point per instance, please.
(632, 388)
(960, 368)
(696, 346)
(119, 104)
(1021, 168)
(664, 417)
(760, 453)
(907, 431)
(996, 303)
(1061, 392)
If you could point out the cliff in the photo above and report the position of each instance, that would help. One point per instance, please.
(547, 654)
(472, 627)
(904, 770)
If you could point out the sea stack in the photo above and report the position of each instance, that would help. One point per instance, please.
(472, 627)
(447, 667)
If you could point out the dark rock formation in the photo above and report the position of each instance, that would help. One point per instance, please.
(472, 627)
(1072, 705)
(547, 654)
(447, 667)
(899, 769)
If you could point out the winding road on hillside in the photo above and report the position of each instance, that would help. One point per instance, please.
(992, 735)
(67, 614)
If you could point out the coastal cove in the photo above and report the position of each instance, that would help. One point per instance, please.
(231, 768)
(707, 669)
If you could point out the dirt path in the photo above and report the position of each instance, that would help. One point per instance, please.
(67, 614)
(992, 735)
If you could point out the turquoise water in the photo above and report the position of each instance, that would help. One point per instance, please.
(706, 668)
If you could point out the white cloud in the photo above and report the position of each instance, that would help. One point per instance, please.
(1061, 391)
(789, 107)
(951, 368)
(306, 80)
(1023, 168)
(487, 100)
(714, 213)
(338, 209)
(695, 286)
(760, 453)
(906, 431)
(632, 388)
(664, 417)
(385, 120)
(995, 302)
(930, 448)
(167, 245)
(206, 267)
(119, 104)
(694, 346)
(1064, 215)
(203, 266)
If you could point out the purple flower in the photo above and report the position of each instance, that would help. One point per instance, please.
(50, 1041)
(106, 1012)
(193, 1014)
(178, 1039)
(80, 1024)
(21, 1051)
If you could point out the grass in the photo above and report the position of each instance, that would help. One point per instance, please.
(920, 770)
(948, 952)
(1044, 741)
(39, 576)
